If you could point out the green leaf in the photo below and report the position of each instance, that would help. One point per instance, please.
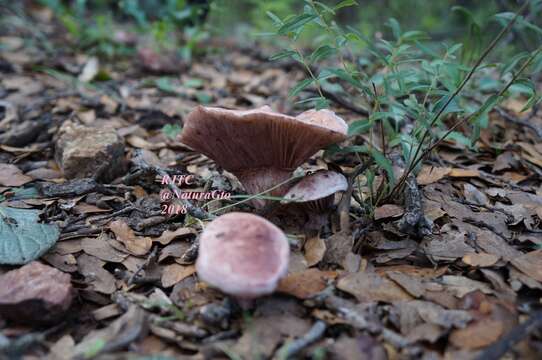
(283, 54)
(299, 87)
(172, 130)
(384, 163)
(296, 23)
(359, 127)
(22, 238)
(322, 52)
(345, 3)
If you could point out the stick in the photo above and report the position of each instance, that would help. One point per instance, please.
(291, 348)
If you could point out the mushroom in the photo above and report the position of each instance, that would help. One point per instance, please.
(314, 194)
(262, 148)
(243, 255)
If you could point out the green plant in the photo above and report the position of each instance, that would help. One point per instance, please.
(409, 87)
(173, 24)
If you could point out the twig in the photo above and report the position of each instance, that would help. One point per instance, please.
(291, 348)
(498, 349)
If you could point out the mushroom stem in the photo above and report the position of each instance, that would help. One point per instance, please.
(260, 180)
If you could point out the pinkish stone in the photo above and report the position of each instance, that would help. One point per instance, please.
(35, 293)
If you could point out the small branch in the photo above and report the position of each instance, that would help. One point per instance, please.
(140, 268)
(341, 101)
(292, 348)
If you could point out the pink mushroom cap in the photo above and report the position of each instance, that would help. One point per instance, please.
(261, 147)
(243, 255)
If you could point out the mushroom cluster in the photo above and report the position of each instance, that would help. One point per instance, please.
(243, 255)
(262, 148)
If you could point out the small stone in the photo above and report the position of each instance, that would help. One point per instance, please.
(35, 293)
(88, 152)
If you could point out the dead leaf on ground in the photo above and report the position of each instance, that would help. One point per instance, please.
(477, 335)
(167, 236)
(306, 284)
(431, 174)
(136, 245)
(315, 249)
(388, 211)
(369, 286)
(480, 259)
(10, 175)
(530, 264)
(174, 273)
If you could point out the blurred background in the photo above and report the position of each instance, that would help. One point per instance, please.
(182, 24)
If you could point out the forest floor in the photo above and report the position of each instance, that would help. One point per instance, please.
(470, 289)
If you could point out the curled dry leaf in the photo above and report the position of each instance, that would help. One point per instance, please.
(306, 284)
(315, 249)
(136, 245)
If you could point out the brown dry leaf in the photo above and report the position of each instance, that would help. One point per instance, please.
(10, 175)
(167, 236)
(413, 285)
(100, 279)
(388, 211)
(480, 259)
(141, 143)
(369, 286)
(102, 249)
(174, 273)
(530, 264)
(424, 273)
(464, 173)
(473, 195)
(315, 249)
(478, 334)
(63, 349)
(306, 284)
(431, 174)
(136, 245)
(461, 285)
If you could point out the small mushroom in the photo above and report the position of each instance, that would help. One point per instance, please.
(243, 255)
(315, 193)
(261, 147)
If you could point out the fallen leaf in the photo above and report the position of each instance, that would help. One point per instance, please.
(388, 211)
(136, 245)
(174, 273)
(315, 249)
(478, 334)
(368, 286)
(167, 236)
(464, 173)
(10, 175)
(22, 238)
(431, 174)
(100, 248)
(92, 269)
(480, 259)
(306, 284)
(530, 264)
